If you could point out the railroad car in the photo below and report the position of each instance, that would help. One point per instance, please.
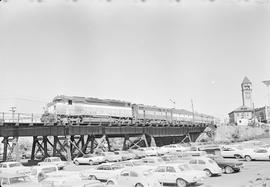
(82, 109)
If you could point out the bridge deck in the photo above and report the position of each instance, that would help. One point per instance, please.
(39, 129)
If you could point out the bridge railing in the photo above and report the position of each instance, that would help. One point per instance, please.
(19, 118)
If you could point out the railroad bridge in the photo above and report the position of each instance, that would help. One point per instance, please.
(70, 140)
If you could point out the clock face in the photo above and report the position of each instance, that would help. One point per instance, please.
(247, 95)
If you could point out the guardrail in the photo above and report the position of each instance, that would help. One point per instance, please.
(19, 118)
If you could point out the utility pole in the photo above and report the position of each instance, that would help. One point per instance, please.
(13, 110)
(193, 114)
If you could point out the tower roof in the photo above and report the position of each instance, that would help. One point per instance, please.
(246, 80)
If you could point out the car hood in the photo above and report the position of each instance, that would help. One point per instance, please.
(229, 162)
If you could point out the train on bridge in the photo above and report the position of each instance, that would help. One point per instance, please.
(65, 109)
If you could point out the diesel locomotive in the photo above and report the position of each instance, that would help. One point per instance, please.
(65, 109)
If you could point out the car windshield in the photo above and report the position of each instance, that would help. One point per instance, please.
(11, 165)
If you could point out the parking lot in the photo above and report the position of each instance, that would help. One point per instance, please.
(251, 171)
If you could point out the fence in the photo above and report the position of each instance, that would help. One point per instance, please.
(19, 118)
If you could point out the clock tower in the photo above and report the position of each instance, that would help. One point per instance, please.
(247, 92)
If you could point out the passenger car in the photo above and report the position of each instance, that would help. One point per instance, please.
(228, 166)
(104, 171)
(11, 179)
(69, 179)
(125, 155)
(38, 172)
(109, 156)
(153, 161)
(14, 167)
(179, 174)
(53, 160)
(256, 154)
(149, 151)
(138, 153)
(231, 152)
(89, 159)
(205, 164)
(135, 177)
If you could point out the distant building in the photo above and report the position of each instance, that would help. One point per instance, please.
(243, 114)
(263, 114)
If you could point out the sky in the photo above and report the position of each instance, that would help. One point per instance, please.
(146, 53)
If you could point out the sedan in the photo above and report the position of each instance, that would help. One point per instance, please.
(227, 165)
(179, 174)
(89, 159)
(134, 178)
(256, 154)
(205, 164)
(103, 172)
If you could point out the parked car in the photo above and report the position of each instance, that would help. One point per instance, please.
(14, 167)
(231, 151)
(226, 165)
(132, 163)
(125, 155)
(38, 172)
(109, 156)
(205, 164)
(70, 179)
(173, 148)
(19, 180)
(53, 160)
(175, 174)
(256, 154)
(89, 159)
(135, 177)
(103, 172)
(149, 151)
(62, 182)
(153, 161)
(138, 153)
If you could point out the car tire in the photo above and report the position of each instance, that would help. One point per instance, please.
(228, 170)
(181, 182)
(91, 162)
(92, 177)
(208, 172)
(110, 183)
(248, 158)
(76, 162)
(139, 185)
